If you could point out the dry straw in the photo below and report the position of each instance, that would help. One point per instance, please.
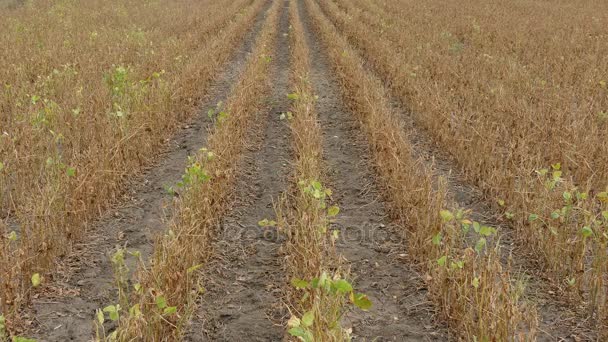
(473, 290)
(90, 93)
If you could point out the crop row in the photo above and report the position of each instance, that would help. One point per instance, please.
(79, 121)
(534, 140)
(159, 303)
(320, 293)
(470, 286)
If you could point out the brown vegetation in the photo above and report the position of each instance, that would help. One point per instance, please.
(512, 94)
(79, 120)
(305, 215)
(522, 114)
(161, 303)
(470, 286)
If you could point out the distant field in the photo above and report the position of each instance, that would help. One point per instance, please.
(9, 3)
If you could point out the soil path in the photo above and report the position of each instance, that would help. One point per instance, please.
(244, 281)
(66, 312)
(557, 320)
(375, 252)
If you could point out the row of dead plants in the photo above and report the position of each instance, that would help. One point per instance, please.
(90, 93)
(531, 134)
(157, 306)
(320, 292)
(472, 289)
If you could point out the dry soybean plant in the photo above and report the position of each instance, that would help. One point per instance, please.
(79, 121)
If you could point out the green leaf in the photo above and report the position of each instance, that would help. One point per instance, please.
(134, 311)
(23, 339)
(571, 281)
(308, 319)
(36, 280)
(586, 231)
(567, 196)
(542, 172)
(161, 302)
(100, 317)
(316, 185)
(441, 261)
(137, 287)
(314, 283)
(466, 227)
(333, 211)
(194, 268)
(299, 283)
(436, 239)
(501, 203)
(487, 231)
(170, 310)
(556, 166)
(70, 171)
(362, 301)
(446, 215)
(342, 286)
(293, 96)
(605, 215)
(532, 217)
(555, 215)
(479, 246)
(118, 257)
(476, 282)
(12, 236)
(476, 227)
(323, 279)
(112, 311)
(267, 223)
(557, 175)
(297, 332)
